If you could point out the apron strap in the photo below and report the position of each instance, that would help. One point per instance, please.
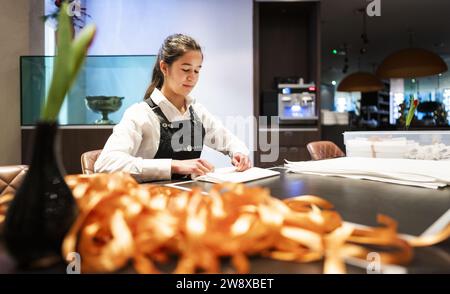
(161, 115)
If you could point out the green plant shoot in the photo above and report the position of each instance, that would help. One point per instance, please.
(70, 57)
(412, 109)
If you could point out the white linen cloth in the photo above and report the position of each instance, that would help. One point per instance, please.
(423, 173)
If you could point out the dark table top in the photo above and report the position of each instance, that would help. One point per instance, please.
(358, 201)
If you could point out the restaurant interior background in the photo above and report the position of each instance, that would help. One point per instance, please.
(248, 46)
(321, 68)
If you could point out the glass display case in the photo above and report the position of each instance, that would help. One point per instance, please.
(104, 89)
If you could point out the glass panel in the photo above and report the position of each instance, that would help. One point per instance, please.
(111, 76)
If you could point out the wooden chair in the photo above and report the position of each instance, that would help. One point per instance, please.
(11, 176)
(324, 150)
(88, 160)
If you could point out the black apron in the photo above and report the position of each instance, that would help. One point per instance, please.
(185, 134)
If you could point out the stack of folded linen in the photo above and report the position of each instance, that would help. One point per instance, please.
(341, 118)
(328, 117)
(423, 173)
(334, 118)
(379, 148)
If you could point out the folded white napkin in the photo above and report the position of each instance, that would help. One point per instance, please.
(423, 173)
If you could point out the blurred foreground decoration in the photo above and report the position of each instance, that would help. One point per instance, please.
(43, 208)
(121, 221)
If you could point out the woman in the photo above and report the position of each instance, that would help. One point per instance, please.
(163, 136)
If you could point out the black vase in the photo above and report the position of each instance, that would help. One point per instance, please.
(43, 208)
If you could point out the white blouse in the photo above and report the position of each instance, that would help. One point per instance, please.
(135, 139)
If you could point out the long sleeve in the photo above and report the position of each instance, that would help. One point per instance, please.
(218, 137)
(121, 149)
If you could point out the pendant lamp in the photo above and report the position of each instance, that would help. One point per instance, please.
(360, 82)
(411, 63)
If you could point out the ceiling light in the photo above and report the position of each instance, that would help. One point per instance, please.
(360, 82)
(411, 62)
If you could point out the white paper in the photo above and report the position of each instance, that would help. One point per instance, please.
(385, 180)
(229, 174)
(424, 173)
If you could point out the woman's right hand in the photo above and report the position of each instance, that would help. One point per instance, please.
(196, 166)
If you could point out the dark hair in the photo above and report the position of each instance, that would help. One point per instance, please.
(174, 47)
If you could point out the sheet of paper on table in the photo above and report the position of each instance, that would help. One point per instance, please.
(229, 174)
(431, 174)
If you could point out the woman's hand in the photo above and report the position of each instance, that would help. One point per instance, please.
(241, 161)
(191, 166)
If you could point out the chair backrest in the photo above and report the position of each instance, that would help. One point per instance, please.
(11, 176)
(88, 160)
(324, 150)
